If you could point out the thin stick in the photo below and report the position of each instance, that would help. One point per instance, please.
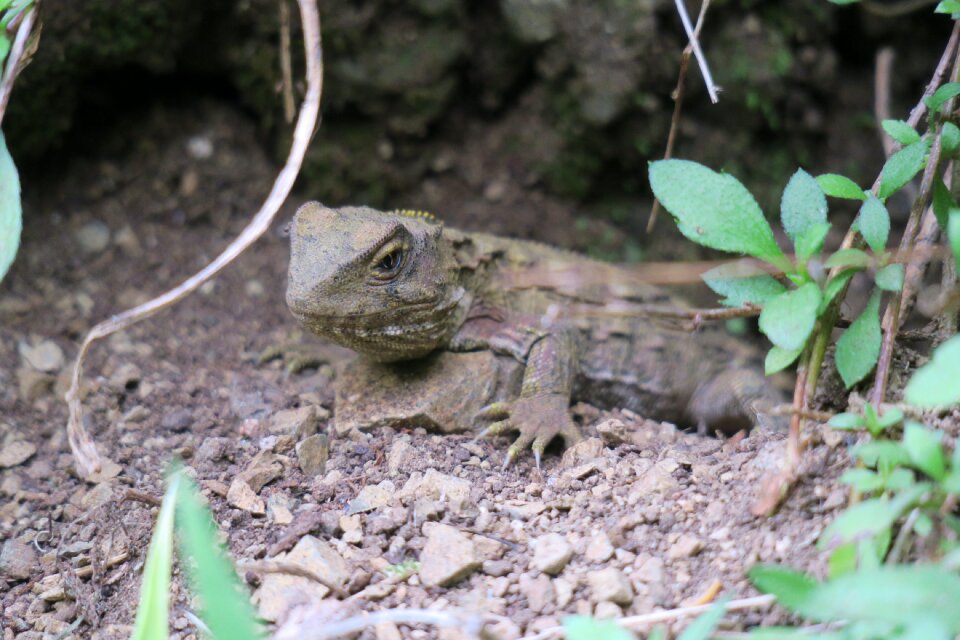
(84, 450)
(697, 52)
(13, 58)
(881, 96)
(286, 65)
(289, 568)
(678, 104)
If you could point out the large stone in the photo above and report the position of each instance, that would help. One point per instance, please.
(280, 591)
(551, 553)
(610, 585)
(17, 560)
(448, 557)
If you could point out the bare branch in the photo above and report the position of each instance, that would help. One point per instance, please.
(698, 52)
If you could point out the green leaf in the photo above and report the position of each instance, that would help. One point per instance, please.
(4, 4)
(703, 627)
(789, 318)
(586, 628)
(779, 359)
(953, 234)
(948, 6)
(874, 223)
(923, 525)
(4, 47)
(881, 453)
(891, 416)
(941, 95)
(901, 167)
(834, 286)
(859, 346)
(942, 202)
(842, 560)
(225, 602)
(153, 606)
(950, 138)
(937, 383)
(810, 242)
(11, 214)
(848, 258)
(925, 451)
(802, 205)
(714, 210)
(742, 283)
(863, 480)
(900, 131)
(792, 588)
(890, 278)
(846, 422)
(870, 517)
(838, 186)
(898, 479)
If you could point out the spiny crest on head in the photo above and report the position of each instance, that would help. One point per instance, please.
(412, 213)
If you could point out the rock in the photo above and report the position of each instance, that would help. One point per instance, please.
(178, 420)
(93, 237)
(45, 356)
(352, 531)
(584, 451)
(685, 547)
(278, 510)
(98, 496)
(609, 585)
(650, 571)
(436, 486)
(447, 557)
(17, 559)
(607, 610)
(200, 147)
(300, 422)
(312, 454)
(278, 592)
(241, 496)
(372, 497)
(254, 289)
(497, 568)
(387, 631)
(538, 591)
(33, 384)
(502, 629)
(263, 468)
(599, 549)
(613, 431)
(658, 479)
(15, 452)
(400, 452)
(551, 553)
(523, 510)
(564, 591)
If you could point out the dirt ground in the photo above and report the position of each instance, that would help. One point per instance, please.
(648, 518)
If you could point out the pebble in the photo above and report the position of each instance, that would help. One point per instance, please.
(609, 585)
(686, 546)
(437, 486)
(372, 497)
(241, 496)
(93, 237)
(300, 422)
(278, 592)
(17, 559)
(33, 384)
(352, 530)
(312, 454)
(607, 610)
(98, 496)
(599, 549)
(448, 557)
(178, 420)
(538, 591)
(263, 468)
(200, 147)
(45, 356)
(16, 452)
(551, 553)
(400, 452)
(254, 289)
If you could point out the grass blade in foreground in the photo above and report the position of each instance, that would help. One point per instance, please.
(152, 611)
(226, 604)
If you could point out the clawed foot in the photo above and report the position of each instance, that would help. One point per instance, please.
(296, 356)
(539, 419)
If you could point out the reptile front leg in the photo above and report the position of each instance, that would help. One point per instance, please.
(542, 411)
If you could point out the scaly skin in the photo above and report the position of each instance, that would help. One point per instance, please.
(398, 286)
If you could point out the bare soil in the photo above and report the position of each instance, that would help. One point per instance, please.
(669, 511)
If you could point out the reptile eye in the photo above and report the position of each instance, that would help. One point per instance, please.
(391, 262)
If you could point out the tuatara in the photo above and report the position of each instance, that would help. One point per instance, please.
(399, 286)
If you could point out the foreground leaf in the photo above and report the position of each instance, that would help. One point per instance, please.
(848, 258)
(924, 448)
(859, 346)
(586, 628)
(11, 213)
(937, 383)
(942, 202)
(153, 606)
(838, 186)
(714, 210)
(226, 605)
(900, 131)
(792, 588)
(953, 234)
(890, 278)
(789, 318)
(941, 95)
(901, 167)
(874, 223)
(742, 283)
(802, 205)
(703, 627)
(779, 359)
(870, 517)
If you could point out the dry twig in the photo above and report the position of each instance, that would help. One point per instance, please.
(698, 52)
(15, 56)
(82, 445)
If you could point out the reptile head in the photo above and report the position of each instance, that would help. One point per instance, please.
(383, 284)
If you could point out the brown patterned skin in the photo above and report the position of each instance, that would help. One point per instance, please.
(398, 286)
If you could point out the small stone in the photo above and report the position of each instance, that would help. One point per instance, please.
(45, 356)
(609, 585)
(200, 147)
(400, 452)
(564, 591)
(300, 422)
(495, 191)
(178, 420)
(551, 553)
(522, 510)
(607, 611)
(584, 451)
(263, 468)
(278, 512)
(538, 591)
(254, 289)
(599, 549)
(497, 568)
(685, 547)
(33, 384)
(352, 530)
(17, 559)
(98, 496)
(387, 631)
(312, 454)
(278, 592)
(502, 629)
(93, 237)
(650, 571)
(16, 452)
(448, 557)
(241, 496)
(613, 431)
(437, 486)
(372, 497)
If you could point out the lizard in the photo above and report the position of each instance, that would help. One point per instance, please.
(398, 286)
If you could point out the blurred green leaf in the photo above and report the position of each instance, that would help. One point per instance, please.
(792, 588)
(842, 560)
(863, 480)
(953, 233)
(802, 205)
(948, 6)
(779, 359)
(881, 453)
(703, 627)
(942, 202)
(153, 607)
(924, 448)
(834, 286)
(837, 186)
(901, 167)
(950, 138)
(900, 131)
(789, 318)
(874, 223)
(742, 283)
(226, 605)
(846, 421)
(937, 383)
(891, 416)
(11, 214)
(870, 517)
(859, 346)
(853, 258)
(941, 95)
(714, 210)
(586, 628)
(810, 242)
(4, 47)
(890, 277)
